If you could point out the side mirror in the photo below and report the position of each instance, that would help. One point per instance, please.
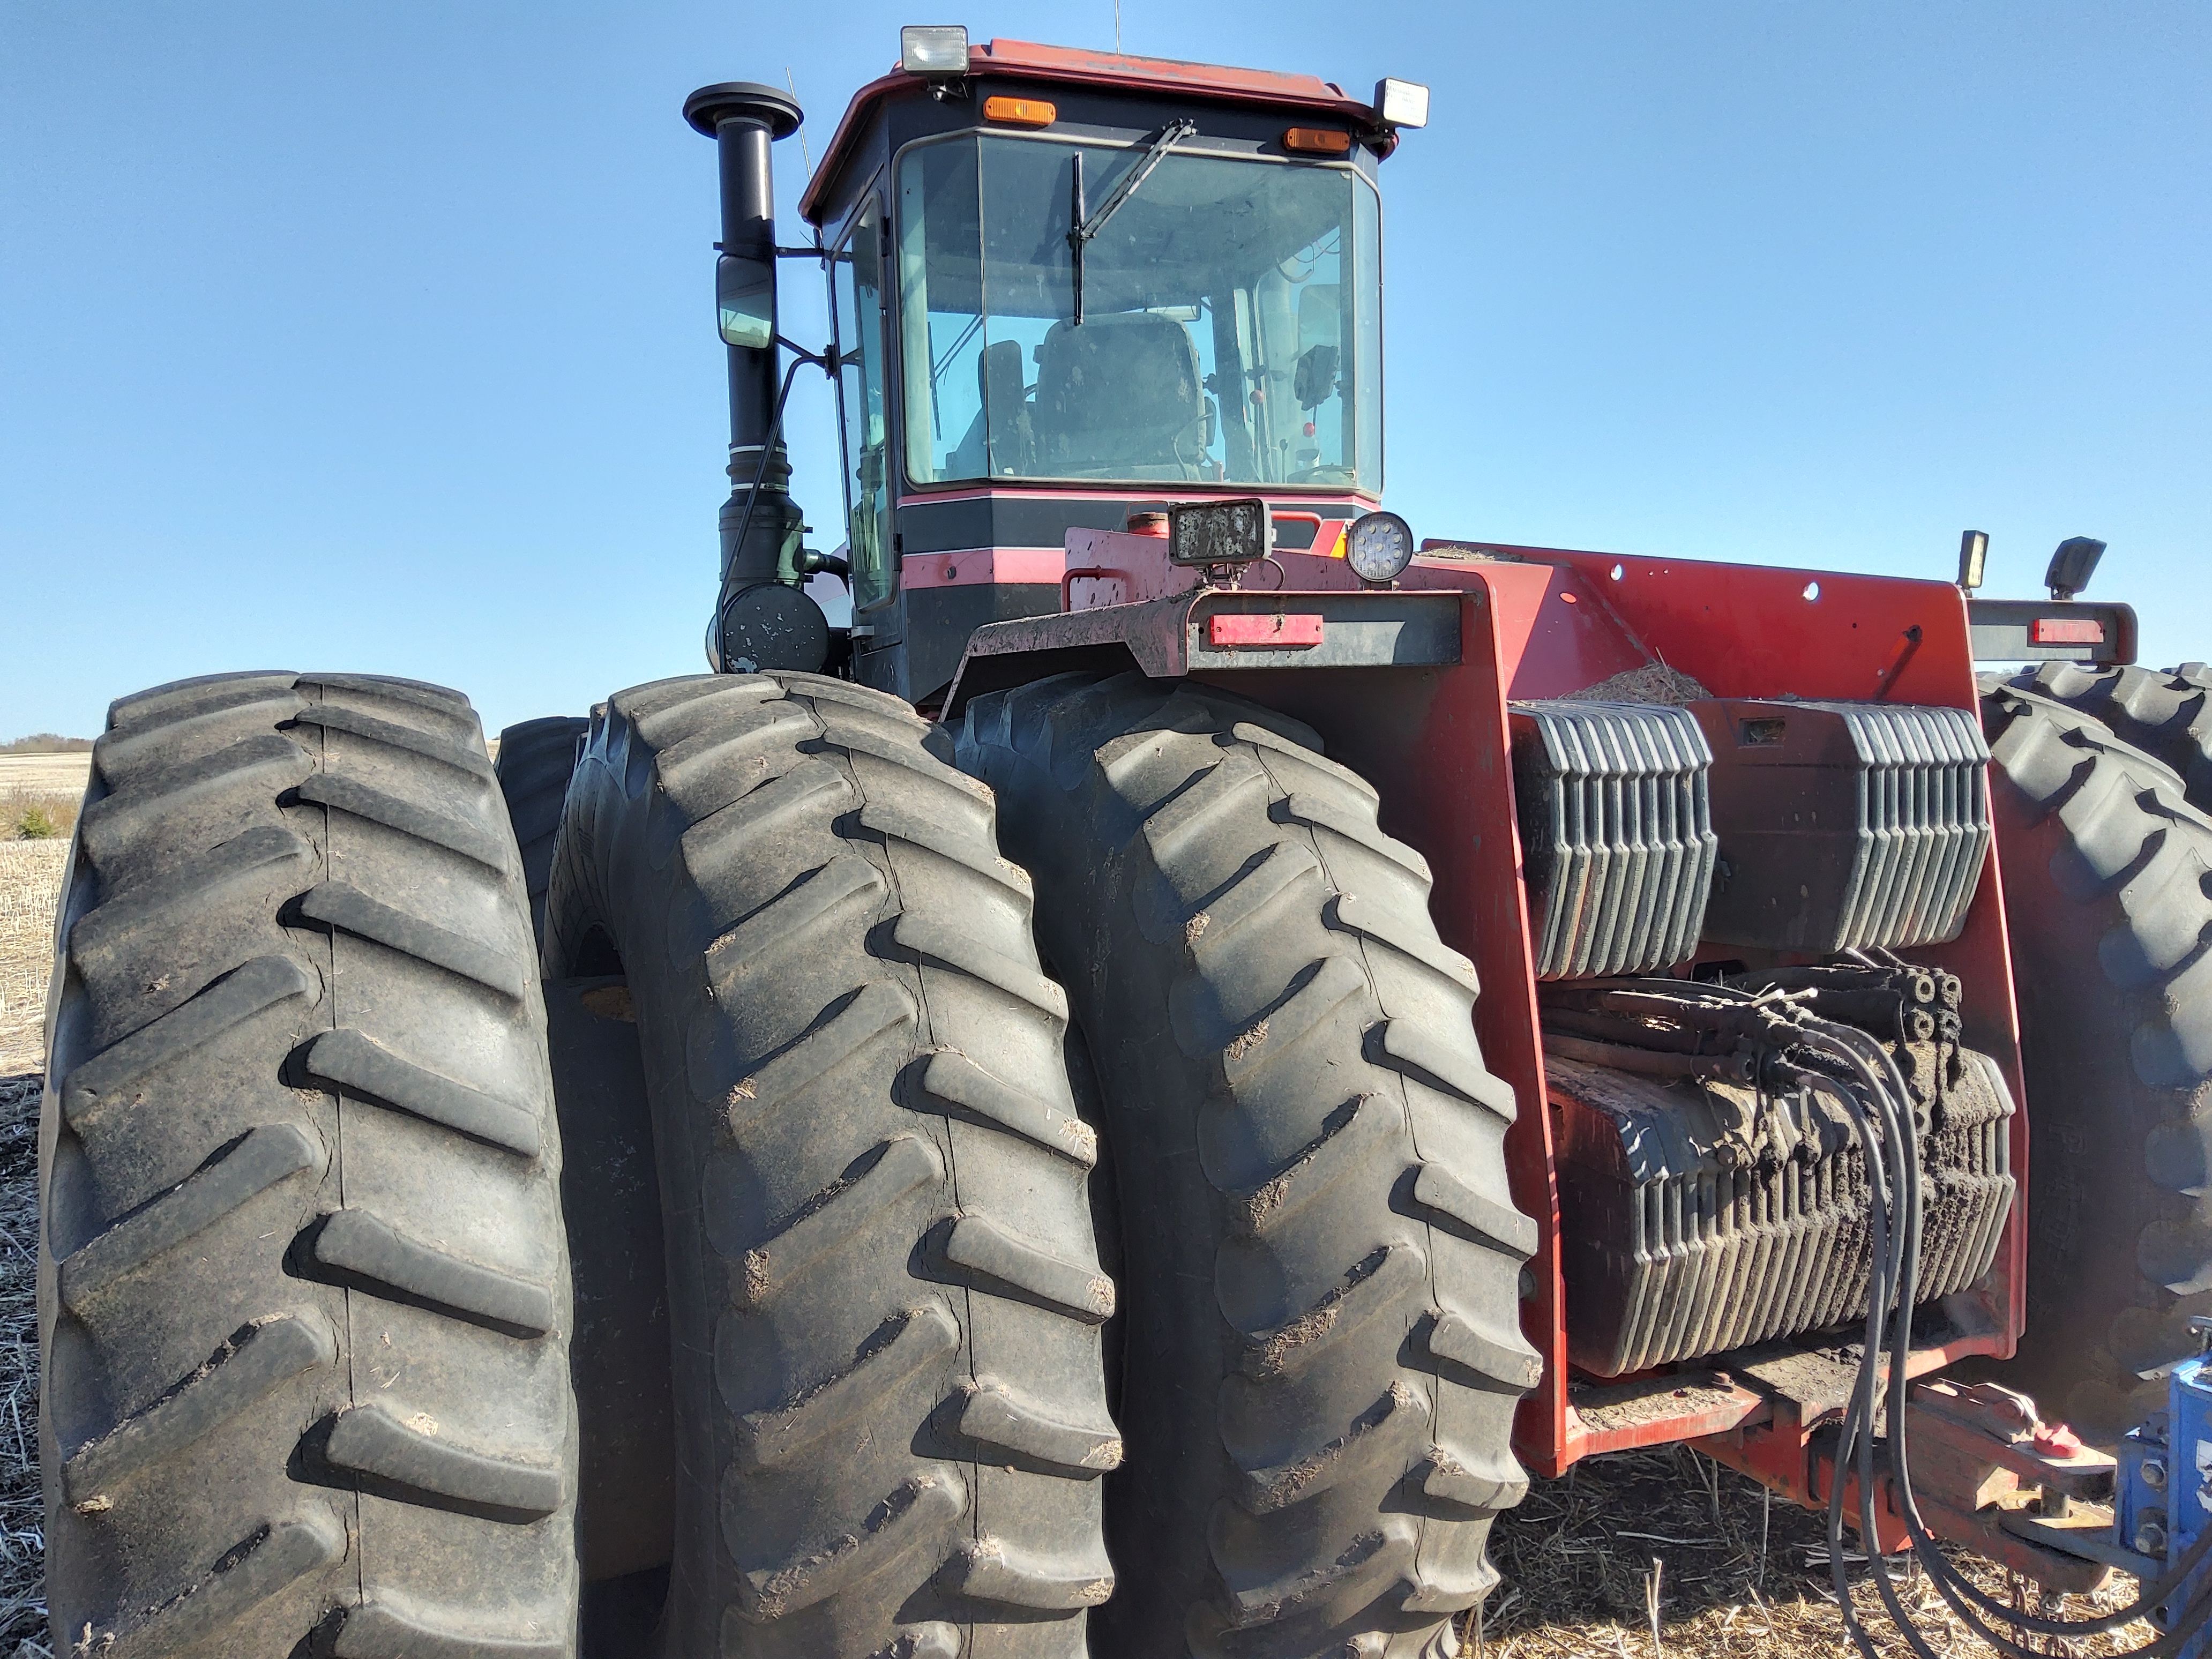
(2072, 565)
(744, 298)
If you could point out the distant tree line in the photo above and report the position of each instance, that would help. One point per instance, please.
(46, 743)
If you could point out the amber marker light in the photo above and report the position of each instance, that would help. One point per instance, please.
(1020, 112)
(1317, 141)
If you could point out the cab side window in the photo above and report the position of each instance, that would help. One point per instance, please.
(856, 292)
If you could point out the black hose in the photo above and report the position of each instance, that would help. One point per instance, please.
(1790, 1044)
(1891, 1292)
(1903, 1295)
(752, 495)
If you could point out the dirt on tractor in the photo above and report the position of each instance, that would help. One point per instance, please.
(1635, 1556)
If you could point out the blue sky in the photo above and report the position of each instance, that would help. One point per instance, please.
(381, 337)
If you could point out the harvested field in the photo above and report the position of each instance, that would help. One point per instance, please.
(1651, 1555)
(30, 886)
(39, 794)
(53, 775)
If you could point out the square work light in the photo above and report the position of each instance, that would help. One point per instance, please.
(934, 49)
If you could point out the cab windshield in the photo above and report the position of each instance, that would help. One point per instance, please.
(1231, 328)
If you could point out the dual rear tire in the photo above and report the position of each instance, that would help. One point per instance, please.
(2101, 792)
(1322, 1354)
(300, 1119)
(1320, 1357)
(886, 1301)
(303, 1293)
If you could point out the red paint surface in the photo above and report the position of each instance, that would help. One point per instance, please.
(1328, 533)
(1261, 631)
(980, 566)
(1340, 505)
(1140, 563)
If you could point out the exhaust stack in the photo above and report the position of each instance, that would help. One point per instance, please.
(762, 619)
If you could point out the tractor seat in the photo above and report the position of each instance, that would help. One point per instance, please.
(1120, 397)
(999, 373)
(998, 442)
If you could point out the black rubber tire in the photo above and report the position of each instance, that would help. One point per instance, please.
(1320, 1260)
(884, 1292)
(2107, 898)
(535, 761)
(2166, 714)
(303, 1293)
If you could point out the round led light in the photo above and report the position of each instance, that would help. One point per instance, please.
(1379, 547)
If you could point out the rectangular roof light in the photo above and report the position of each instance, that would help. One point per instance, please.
(1401, 103)
(934, 49)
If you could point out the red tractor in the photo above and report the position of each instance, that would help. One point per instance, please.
(1117, 1101)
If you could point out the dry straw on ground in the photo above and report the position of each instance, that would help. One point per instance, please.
(28, 816)
(39, 794)
(30, 886)
(22, 1512)
(1666, 1554)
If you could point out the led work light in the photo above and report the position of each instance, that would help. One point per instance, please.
(1973, 558)
(1378, 547)
(1231, 532)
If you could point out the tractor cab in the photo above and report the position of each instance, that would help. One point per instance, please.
(1071, 287)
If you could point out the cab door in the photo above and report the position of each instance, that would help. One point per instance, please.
(858, 300)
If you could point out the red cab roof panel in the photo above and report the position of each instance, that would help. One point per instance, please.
(1241, 86)
(1073, 66)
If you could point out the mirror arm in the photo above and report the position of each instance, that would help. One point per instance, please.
(826, 359)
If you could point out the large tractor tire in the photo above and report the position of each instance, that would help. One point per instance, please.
(884, 1297)
(1319, 1259)
(303, 1296)
(2165, 713)
(2106, 869)
(536, 760)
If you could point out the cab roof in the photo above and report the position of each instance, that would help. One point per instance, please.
(1024, 60)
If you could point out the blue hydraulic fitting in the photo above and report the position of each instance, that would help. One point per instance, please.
(2164, 1494)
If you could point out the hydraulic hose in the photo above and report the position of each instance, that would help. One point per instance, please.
(1888, 1132)
(1772, 1032)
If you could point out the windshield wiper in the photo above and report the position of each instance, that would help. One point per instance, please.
(1081, 230)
